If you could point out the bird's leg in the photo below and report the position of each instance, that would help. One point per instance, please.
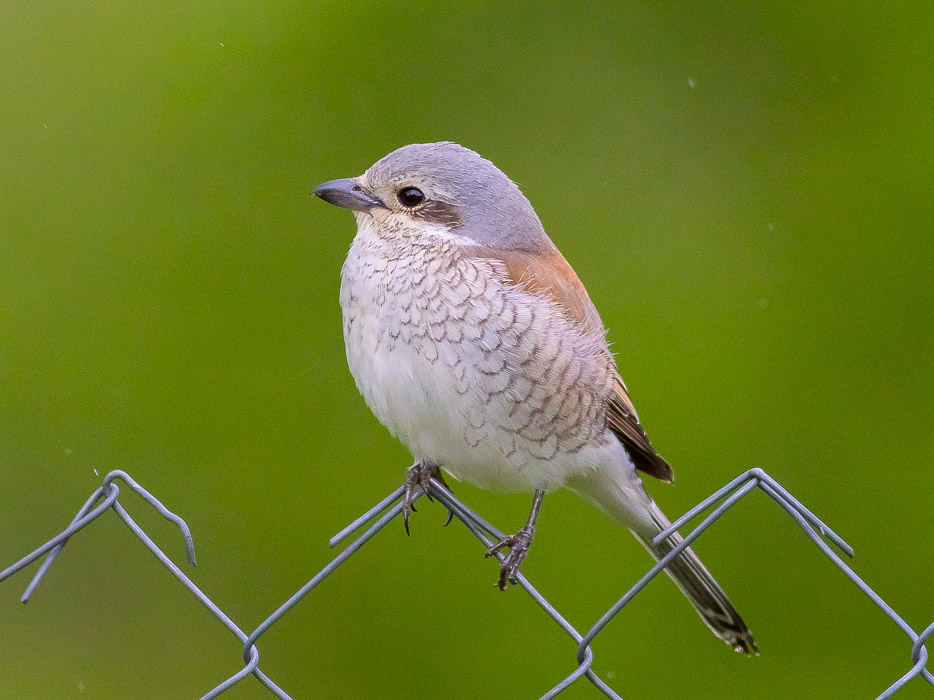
(418, 475)
(518, 545)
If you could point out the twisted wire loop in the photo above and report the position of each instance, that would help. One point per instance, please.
(106, 498)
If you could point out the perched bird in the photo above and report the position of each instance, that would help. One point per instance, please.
(474, 342)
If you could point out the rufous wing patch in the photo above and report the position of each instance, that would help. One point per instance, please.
(549, 274)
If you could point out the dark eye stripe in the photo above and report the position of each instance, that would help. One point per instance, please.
(439, 213)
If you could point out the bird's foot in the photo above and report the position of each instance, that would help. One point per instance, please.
(418, 476)
(518, 547)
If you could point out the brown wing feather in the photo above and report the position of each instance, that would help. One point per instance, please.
(549, 274)
(621, 418)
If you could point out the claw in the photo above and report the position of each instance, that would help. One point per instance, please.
(419, 475)
(518, 548)
(450, 518)
(494, 548)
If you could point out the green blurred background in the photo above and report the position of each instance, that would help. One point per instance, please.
(745, 188)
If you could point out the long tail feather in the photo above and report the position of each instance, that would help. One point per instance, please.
(705, 594)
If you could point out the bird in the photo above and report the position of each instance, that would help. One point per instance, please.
(474, 342)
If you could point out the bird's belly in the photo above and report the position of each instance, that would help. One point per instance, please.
(467, 379)
(416, 401)
(438, 412)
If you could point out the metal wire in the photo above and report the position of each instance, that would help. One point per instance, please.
(106, 497)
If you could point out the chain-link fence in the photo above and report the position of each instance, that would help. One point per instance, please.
(106, 497)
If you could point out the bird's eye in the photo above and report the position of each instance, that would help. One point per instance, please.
(410, 196)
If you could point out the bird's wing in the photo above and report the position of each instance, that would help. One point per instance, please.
(621, 418)
(549, 274)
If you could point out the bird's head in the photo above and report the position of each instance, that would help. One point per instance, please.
(442, 187)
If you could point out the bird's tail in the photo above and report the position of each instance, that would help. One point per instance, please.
(705, 594)
(626, 500)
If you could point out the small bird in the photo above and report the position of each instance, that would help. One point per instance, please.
(475, 343)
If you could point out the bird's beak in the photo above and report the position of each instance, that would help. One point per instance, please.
(347, 193)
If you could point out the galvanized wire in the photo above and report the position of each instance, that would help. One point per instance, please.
(106, 497)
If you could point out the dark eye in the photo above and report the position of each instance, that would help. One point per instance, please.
(410, 196)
